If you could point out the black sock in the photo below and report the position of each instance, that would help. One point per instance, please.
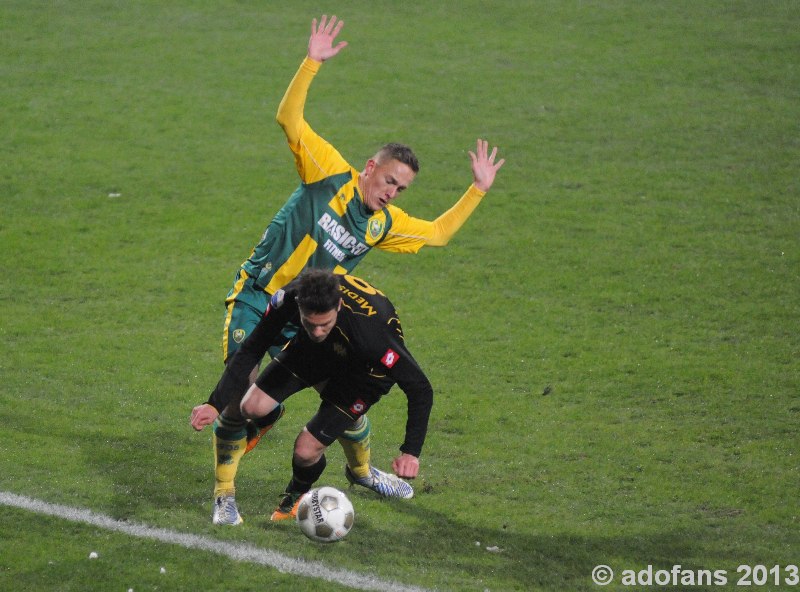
(304, 477)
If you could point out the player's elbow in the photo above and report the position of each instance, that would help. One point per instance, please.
(290, 126)
(440, 234)
(285, 115)
(283, 122)
(437, 241)
(439, 237)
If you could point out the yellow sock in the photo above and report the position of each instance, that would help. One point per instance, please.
(355, 443)
(230, 443)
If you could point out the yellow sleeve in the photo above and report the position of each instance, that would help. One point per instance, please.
(290, 110)
(314, 158)
(446, 225)
(408, 234)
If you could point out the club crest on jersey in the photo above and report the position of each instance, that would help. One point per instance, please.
(375, 228)
(238, 335)
(339, 350)
(390, 358)
(358, 407)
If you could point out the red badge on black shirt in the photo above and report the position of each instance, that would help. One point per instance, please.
(390, 358)
(358, 407)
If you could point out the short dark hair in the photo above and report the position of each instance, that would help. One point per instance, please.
(318, 291)
(399, 152)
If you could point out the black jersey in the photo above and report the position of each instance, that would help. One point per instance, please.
(363, 356)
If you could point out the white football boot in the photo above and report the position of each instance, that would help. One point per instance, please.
(382, 483)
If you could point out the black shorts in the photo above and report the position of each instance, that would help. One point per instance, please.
(347, 390)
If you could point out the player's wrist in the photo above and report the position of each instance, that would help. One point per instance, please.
(477, 190)
(311, 63)
(409, 452)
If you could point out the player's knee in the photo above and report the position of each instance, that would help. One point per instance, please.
(248, 407)
(307, 449)
(256, 403)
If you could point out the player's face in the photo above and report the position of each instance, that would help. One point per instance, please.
(319, 324)
(382, 182)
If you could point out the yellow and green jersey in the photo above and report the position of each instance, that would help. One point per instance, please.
(325, 223)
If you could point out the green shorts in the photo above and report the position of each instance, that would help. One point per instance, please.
(244, 307)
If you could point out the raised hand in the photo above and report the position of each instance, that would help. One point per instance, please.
(320, 44)
(484, 168)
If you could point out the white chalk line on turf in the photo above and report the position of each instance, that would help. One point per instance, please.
(235, 551)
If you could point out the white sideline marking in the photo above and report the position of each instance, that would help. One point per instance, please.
(235, 551)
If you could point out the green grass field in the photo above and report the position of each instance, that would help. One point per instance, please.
(614, 336)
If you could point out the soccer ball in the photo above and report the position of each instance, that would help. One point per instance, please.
(325, 515)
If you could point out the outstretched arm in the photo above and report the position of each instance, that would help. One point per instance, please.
(484, 168)
(320, 48)
(320, 44)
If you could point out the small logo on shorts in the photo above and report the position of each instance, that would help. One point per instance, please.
(358, 407)
(390, 358)
(238, 335)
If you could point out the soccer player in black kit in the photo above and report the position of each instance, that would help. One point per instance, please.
(351, 349)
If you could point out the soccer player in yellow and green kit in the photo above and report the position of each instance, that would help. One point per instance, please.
(331, 221)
